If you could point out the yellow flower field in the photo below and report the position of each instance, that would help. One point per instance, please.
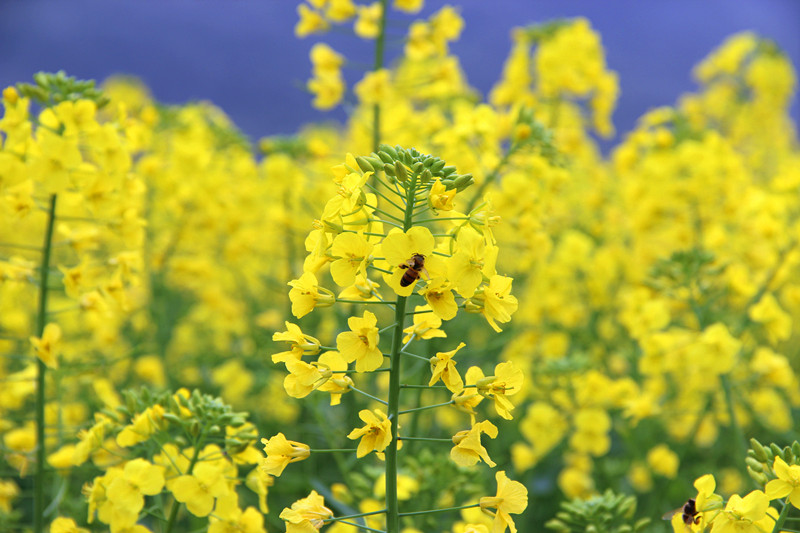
(455, 314)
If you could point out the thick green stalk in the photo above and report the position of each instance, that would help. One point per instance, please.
(392, 508)
(379, 47)
(782, 518)
(41, 320)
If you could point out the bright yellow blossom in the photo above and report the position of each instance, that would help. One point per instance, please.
(306, 294)
(787, 484)
(360, 344)
(468, 449)
(506, 381)
(367, 25)
(306, 515)
(280, 452)
(443, 367)
(376, 433)
(511, 498)
(426, 325)
(301, 344)
(494, 301)
(199, 489)
(48, 347)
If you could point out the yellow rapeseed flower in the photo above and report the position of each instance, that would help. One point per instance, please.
(511, 498)
(375, 435)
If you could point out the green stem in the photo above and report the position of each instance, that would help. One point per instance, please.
(427, 439)
(379, 47)
(370, 396)
(341, 301)
(331, 450)
(359, 526)
(426, 407)
(413, 513)
(41, 319)
(736, 429)
(348, 517)
(392, 506)
(782, 517)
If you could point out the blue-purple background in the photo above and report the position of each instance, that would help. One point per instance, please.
(243, 56)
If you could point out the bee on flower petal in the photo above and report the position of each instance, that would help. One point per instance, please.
(414, 268)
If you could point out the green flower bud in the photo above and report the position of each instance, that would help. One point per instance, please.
(758, 477)
(463, 181)
(365, 165)
(776, 451)
(389, 169)
(796, 448)
(754, 464)
(388, 150)
(400, 170)
(437, 166)
(759, 451)
(450, 169)
(386, 158)
(788, 455)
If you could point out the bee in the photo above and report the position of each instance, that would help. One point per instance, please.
(414, 267)
(688, 513)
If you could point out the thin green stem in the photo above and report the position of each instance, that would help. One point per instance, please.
(359, 515)
(384, 213)
(395, 224)
(370, 396)
(415, 355)
(340, 300)
(331, 450)
(426, 407)
(41, 319)
(20, 246)
(736, 429)
(379, 193)
(427, 439)
(359, 526)
(444, 510)
(440, 219)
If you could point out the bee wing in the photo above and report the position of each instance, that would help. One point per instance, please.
(669, 514)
